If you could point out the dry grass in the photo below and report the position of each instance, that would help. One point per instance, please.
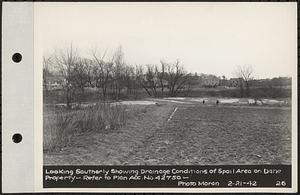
(115, 147)
(197, 135)
(210, 135)
(60, 125)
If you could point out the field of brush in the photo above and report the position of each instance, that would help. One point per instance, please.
(224, 135)
(144, 134)
(62, 125)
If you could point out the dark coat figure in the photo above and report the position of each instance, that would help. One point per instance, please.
(203, 101)
(217, 102)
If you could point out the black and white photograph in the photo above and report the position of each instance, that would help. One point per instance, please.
(138, 97)
(167, 83)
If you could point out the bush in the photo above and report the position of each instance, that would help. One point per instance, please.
(271, 92)
(61, 125)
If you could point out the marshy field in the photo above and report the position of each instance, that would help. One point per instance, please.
(169, 131)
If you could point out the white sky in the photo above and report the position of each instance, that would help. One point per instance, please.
(207, 37)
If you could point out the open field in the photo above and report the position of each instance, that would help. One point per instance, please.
(183, 132)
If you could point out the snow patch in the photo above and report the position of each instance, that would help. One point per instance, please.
(229, 101)
(272, 102)
(198, 100)
(137, 102)
(174, 101)
(175, 98)
(251, 101)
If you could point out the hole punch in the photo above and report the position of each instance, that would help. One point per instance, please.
(17, 57)
(17, 138)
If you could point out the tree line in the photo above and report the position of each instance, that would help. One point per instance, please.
(112, 76)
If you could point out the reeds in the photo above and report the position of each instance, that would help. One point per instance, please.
(61, 125)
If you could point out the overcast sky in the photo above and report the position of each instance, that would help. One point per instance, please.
(206, 37)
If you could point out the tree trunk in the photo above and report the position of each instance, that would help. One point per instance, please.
(247, 89)
(68, 98)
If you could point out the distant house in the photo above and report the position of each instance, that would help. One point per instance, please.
(208, 80)
(53, 82)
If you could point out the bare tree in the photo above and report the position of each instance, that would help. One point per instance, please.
(47, 62)
(149, 80)
(80, 76)
(113, 77)
(191, 80)
(245, 75)
(118, 67)
(161, 77)
(141, 78)
(90, 69)
(152, 79)
(102, 72)
(171, 76)
(136, 86)
(128, 79)
(176, 78)
(66, 61)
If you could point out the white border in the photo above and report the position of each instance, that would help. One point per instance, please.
(19, 159)
(17, 97)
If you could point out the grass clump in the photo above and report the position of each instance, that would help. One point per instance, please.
(60, 125)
